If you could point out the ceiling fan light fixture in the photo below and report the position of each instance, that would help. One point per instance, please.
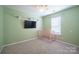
(42, 8)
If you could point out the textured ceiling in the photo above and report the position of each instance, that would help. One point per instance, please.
(33, 10)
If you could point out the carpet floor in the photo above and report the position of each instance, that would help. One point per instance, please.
(39, 46)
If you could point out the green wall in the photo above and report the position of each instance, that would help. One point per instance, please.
(13, 27)
(47, 23)
(69, 24)
(1, 26)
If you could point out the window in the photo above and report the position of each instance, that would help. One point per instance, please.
(56, 25)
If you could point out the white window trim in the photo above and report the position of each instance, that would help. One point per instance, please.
(58, 23)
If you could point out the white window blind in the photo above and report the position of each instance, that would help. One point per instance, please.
(56, 25)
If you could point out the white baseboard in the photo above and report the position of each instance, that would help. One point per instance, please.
(1, 49)
(68, 43)
(17, 42)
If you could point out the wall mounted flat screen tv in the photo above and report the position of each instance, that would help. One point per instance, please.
(29, 24)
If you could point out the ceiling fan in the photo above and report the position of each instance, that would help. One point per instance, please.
(41, 8)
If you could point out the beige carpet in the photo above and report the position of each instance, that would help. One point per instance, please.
(38, 46)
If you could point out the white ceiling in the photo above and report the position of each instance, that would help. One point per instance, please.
(31, 9)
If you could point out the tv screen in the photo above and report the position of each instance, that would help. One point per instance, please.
(29, 24)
